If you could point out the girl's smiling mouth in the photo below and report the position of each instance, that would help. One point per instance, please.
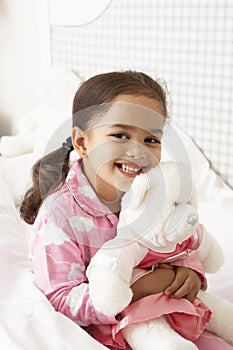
(129, 169)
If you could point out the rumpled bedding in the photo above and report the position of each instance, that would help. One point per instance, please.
(28, 321)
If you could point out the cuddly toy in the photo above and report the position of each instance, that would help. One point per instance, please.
(159, 213)
(36, 128)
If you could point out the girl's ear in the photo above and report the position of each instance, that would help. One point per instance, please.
(79, 141)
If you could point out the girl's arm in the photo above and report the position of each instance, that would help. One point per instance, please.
(152, 283)
(59, 272)
(180, 282)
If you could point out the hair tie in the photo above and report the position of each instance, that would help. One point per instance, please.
(68, 144)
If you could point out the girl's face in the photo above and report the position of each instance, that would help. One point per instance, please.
(125, 142)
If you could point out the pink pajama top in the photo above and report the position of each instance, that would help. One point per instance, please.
(71, 225)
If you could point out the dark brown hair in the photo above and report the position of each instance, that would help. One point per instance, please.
(49, 172)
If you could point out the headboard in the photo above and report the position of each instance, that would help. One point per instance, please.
(188, 43)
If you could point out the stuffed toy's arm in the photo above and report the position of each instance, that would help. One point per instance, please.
(110, 272)
(205, 255)
(209, 251)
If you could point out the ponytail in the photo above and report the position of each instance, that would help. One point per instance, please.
(48, 175)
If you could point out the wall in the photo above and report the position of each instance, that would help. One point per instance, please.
(25, 51)
(187, 43)
(19, 60)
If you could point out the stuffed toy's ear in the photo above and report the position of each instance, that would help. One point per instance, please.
(135, 196)
(151, 182)
(141, 205)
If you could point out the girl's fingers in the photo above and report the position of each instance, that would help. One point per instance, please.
(184, 290)
(185, 285)
(191, 296)
(177, 284)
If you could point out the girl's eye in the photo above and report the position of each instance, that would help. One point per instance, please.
(153, 140)
(120, 135)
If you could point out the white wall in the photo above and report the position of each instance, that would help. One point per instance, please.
(25, 51)
(19, 60)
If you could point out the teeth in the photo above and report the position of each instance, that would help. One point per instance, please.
(130, 170)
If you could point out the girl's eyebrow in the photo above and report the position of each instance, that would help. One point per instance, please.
(130, 127)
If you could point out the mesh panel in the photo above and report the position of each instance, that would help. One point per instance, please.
(187, 43)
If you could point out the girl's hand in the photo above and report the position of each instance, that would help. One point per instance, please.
(186, 284)
(153, 283)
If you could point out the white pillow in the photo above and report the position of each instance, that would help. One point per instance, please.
(178, 146)
(54, 107)
(16, 174)
(13, 245)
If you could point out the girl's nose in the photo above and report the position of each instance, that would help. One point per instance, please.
(136, 151)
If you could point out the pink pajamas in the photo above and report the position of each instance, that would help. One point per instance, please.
(72, 224)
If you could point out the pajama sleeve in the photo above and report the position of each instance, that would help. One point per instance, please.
(59, 272)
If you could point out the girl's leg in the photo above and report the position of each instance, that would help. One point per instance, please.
(222, 317)
(209, 341)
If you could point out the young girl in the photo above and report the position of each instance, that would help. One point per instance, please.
(118, 120)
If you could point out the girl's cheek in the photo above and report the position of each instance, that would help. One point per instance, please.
(104, 153)
(155, 157)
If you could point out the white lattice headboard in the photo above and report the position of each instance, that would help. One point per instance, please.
(187, 43)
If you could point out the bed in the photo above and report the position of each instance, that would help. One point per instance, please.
(189, 45)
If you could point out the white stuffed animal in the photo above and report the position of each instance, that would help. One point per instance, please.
(158, 212)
